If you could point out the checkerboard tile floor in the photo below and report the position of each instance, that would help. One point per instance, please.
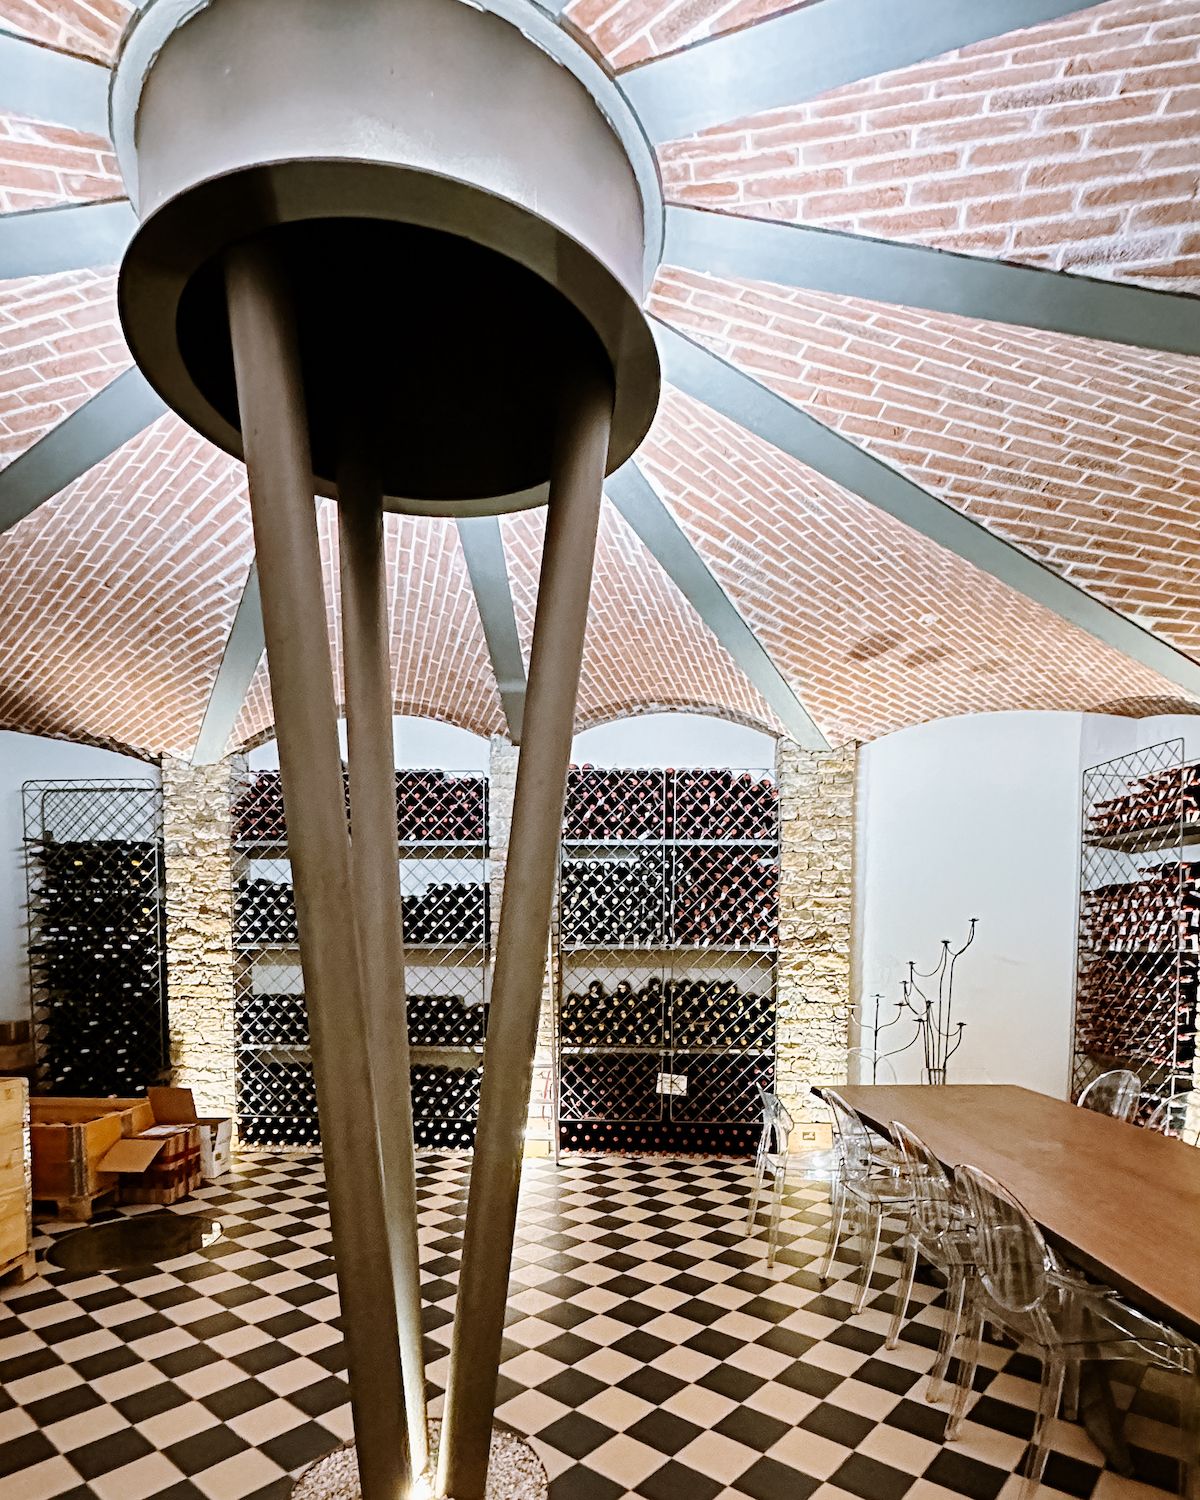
(650, 1355)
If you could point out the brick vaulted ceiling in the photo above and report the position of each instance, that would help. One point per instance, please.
(1072, 146)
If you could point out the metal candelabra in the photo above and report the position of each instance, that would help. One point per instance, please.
(931, 1008)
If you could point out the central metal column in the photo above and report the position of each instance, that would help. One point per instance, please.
(275, 435)
(375, 858)
(576, 484)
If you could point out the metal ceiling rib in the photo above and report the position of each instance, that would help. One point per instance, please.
(97, 429)
(809, 50)
(42, 84)
(828, 260)
(639, 504)
(483, 549)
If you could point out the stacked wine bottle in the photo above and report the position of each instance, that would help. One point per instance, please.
(668, 931)
(1159, 801)
(442, 825)
(1139, 921)
(96, 955)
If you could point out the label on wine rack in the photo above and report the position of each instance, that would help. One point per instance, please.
(674, 1084)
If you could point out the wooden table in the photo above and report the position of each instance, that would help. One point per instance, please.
(1119, 1201)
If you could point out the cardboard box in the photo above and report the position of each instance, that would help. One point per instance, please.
(177, 1106)
(161, 1165)
(216, 1148)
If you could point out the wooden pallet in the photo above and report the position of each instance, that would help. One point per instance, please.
(74, 1210)
(17, 1271)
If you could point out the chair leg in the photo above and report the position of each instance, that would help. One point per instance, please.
(872, 1227)
(967, 1365)
(1054, 1374)
(1070, 1399)
(951, 1327)
(777, 1187)
(1189, 1421)
(903, 1291)
(759, 1171)
(836, 1220)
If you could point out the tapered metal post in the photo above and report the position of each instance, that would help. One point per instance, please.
(555, 657)
(278, 464)
(375, 860)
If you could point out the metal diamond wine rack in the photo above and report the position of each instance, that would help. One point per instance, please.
(442, 818)
(1139, 922)
(667, 945)
(97, 949)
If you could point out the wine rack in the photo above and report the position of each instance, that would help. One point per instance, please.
(96, 941)
(667, 947)
(442, 820)
(1138, 977)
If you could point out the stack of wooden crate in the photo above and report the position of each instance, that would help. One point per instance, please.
(16, 1231)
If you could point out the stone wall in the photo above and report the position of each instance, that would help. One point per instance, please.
(816, 792)
(196, 832)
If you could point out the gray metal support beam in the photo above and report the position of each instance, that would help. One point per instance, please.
(638, 502)
(53, 86)
(483, 548)
(111, 417)
(73, 238)
(243, 652)
(829, 260)
(711, 380)
(816, 47)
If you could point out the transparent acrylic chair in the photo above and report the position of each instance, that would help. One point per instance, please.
(1116, 1093)
(771, 1159)
(938, 1232)
(1022, 1288)
(1179, 1116)
(864, 1193)
(865, 1066)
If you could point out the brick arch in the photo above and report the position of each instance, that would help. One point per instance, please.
(615, 713)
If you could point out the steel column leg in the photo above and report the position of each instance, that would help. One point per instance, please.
(375, 860)
(275, 437)
(555, 657)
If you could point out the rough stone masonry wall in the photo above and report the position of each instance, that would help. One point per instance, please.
(816, 799)
(197, 836)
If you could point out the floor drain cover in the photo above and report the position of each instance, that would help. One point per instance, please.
(139, 1240)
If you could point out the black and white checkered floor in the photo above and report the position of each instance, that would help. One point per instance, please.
(650, 1355)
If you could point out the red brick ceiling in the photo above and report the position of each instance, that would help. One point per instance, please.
(874, 626)
(60, 342)
(647, 648)
(89, 28)
(633, 31)
(43, 165)
(1074, 145)
(119, 594)
(440, 663)
(1086, 454)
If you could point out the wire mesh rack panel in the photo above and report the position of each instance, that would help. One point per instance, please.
(1139, 922)
(442, 822)
(667, 946)
(96, 935)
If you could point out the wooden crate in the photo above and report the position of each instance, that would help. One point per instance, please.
(16, 1231)
(69, 1137)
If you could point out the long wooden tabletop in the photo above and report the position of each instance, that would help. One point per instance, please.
(1121, 1202)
